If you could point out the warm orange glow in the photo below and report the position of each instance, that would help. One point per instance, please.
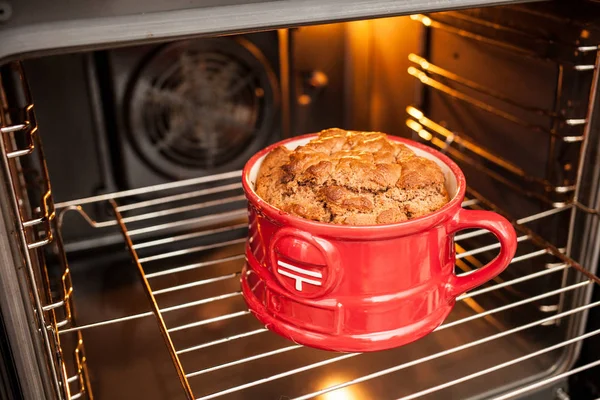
(420, 75)
(419, 60)
(318, 79)
(425, 135)
(347, 393)
(304, 100)
(414, 125)
(360, 28)
(413, 112)
(284, 71)
(418, 128)
(359, 41)
(419, 116)
(425, 20)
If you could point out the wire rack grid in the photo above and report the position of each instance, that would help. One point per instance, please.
(187, 239)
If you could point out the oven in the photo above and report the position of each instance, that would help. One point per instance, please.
(123, 222)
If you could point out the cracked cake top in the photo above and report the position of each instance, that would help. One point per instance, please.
(352, 178)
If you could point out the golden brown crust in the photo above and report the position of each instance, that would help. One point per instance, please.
(352, 178)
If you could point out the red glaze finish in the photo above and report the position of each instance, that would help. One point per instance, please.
(361, 288)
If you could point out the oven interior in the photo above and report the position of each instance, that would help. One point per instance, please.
(143, 229)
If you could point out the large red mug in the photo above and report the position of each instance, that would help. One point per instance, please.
(361, 288)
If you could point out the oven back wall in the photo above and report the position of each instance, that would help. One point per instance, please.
(63, 106)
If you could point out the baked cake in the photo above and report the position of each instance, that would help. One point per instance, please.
(352, 178)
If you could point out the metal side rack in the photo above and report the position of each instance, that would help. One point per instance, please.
(24, 168)
(186, 240)
(560, 127)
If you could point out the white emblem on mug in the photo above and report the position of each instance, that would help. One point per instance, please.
(300, 276)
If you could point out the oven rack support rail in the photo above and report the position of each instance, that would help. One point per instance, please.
(137, 217)
(433, 21)
(579, 58)
(21, 149)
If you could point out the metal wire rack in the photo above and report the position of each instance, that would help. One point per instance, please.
(21, 148)
(186, 239)
(442, 138)
(521, 181)
(569, 60)
(431, 82)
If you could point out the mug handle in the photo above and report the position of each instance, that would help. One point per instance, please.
(504, 232)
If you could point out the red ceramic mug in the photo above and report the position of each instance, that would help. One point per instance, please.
(361, 288)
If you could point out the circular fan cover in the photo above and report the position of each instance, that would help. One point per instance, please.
(201, 106)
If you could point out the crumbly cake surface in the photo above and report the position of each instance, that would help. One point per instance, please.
(352, 178)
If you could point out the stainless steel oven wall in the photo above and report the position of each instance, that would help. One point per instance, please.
(377, 87)
(66, 108)
(69, 106)
(318, 77)
(356, 78)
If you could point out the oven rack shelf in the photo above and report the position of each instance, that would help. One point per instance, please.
(564, 135)
(176, 235)
(431, 68)
(427, 73)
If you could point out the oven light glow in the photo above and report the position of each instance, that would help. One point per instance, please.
(347, 393)
(422, 19)
(340, 394)
(304, 100)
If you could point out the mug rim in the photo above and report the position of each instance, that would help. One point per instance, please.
(315, 226)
